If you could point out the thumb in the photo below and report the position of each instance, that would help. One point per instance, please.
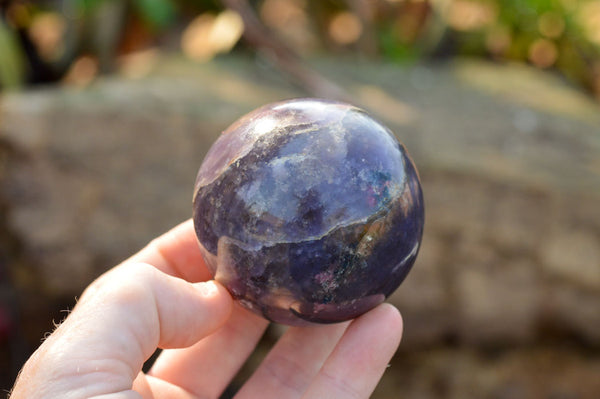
(119, 322)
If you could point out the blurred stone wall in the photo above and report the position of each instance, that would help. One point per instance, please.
(504, 300)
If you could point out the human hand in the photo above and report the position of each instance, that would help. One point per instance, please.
(163, 297)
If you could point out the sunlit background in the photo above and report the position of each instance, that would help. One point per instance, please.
(73, 41)
(107, 108)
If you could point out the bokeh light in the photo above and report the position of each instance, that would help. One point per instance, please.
(563, 35)
(498, 40)
(345, 28)
(46, 32)
(82, 72)
(208, 35)
(589, 17)
(138, 64)
(280, 14)
(551, 24)
(289, 19)
(467, 15)
(543, 53)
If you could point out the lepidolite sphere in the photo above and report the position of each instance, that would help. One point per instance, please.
(308, 211)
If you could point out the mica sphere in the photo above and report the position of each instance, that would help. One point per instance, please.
(308, 211)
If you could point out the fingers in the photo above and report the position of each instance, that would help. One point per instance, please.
(157, 309)
(176, 253)
(360, 358)
(336, 361)
(206, 368)
(125, 314)
(211, 364)
(119, 321)
(150, 387)
(294, 361)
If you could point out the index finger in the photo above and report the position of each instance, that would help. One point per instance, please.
(177, 253)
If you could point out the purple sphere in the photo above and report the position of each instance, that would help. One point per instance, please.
(308, 211)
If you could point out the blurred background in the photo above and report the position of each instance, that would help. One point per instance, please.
(107, 108)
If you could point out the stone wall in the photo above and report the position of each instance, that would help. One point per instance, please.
(504, 298)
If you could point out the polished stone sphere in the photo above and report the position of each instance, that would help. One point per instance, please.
(308, 211)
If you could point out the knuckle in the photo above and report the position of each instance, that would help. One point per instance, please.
(124, 285)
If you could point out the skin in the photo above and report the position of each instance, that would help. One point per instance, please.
(163, 297)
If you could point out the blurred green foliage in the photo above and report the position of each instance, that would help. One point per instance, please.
(159, 13)
(561, 35)
(11, 57)
(156, 13)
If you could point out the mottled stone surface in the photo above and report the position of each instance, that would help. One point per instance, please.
(308, 210)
